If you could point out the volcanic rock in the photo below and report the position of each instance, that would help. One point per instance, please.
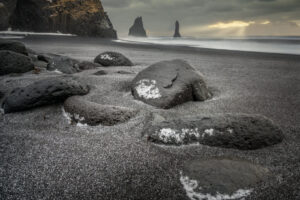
(44, 92)
(100, 73)
(177, 32)
(84, 18)
(93, 114)
(14, 46)
(169, 83)
(244, 132)
(11, 62)
(86, 65)
(63, 64)
(107, 59)
(137, 29)
(4, 17)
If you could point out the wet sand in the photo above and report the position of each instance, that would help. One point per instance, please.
(44, 157)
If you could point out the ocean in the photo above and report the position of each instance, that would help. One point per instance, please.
(282, 45)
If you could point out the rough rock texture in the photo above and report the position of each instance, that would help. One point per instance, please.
(4, 17)
(137, 29)
(244, 132)
(93, 114)
(169, 83)
(84, 18)
(221, 178)
(107, 59)
(14, 46)
(86, 65)
(63, 64)
(177, 32)
(100, 73)
(11, 62)
(44, 92)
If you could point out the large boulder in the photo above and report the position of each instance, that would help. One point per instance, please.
(107, 59)
(11, 62)
(220, 179)
(93, 114)
(44, 92)
(14, 46)
(244, 132)
(63, 64)
(169, 83)
(137, 29)
(177, 32)
(84, 18)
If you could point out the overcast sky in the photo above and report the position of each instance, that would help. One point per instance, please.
(207, 17)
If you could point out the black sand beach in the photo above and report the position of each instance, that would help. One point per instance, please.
(42, 156)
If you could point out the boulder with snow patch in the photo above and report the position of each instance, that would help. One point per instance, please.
(43, 92)
(12, 62)
(93, 114)
(14, 46)
(169, 83)
(221, 178)
(107, 59)
(244, 132)
(63, 64)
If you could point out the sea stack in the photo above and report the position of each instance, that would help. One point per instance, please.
(83, 18)
(177, 33)
(137, 29)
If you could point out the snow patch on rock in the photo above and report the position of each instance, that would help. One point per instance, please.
(147, 89)
(168, 135)
(193, 191)
(209, 132)
(57, 71)
(106, 57)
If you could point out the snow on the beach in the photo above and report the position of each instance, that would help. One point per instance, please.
(193, 191)
(209, 132)
(77, 117)
(106, 57)
(230, 130)
(147, 89)
(57, 71)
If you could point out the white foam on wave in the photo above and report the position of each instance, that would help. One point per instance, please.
(25, 33)
(193, 191)
(267, 45)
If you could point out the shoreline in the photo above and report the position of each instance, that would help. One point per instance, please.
(175, 48)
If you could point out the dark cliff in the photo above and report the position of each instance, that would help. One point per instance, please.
(177, 32)
(137, 29)
(80, 17)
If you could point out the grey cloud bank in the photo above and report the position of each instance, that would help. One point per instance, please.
(208, 17)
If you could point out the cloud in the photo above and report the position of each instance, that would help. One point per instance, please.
(159, 15)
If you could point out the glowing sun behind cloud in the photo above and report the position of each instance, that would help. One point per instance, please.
(233, 24)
